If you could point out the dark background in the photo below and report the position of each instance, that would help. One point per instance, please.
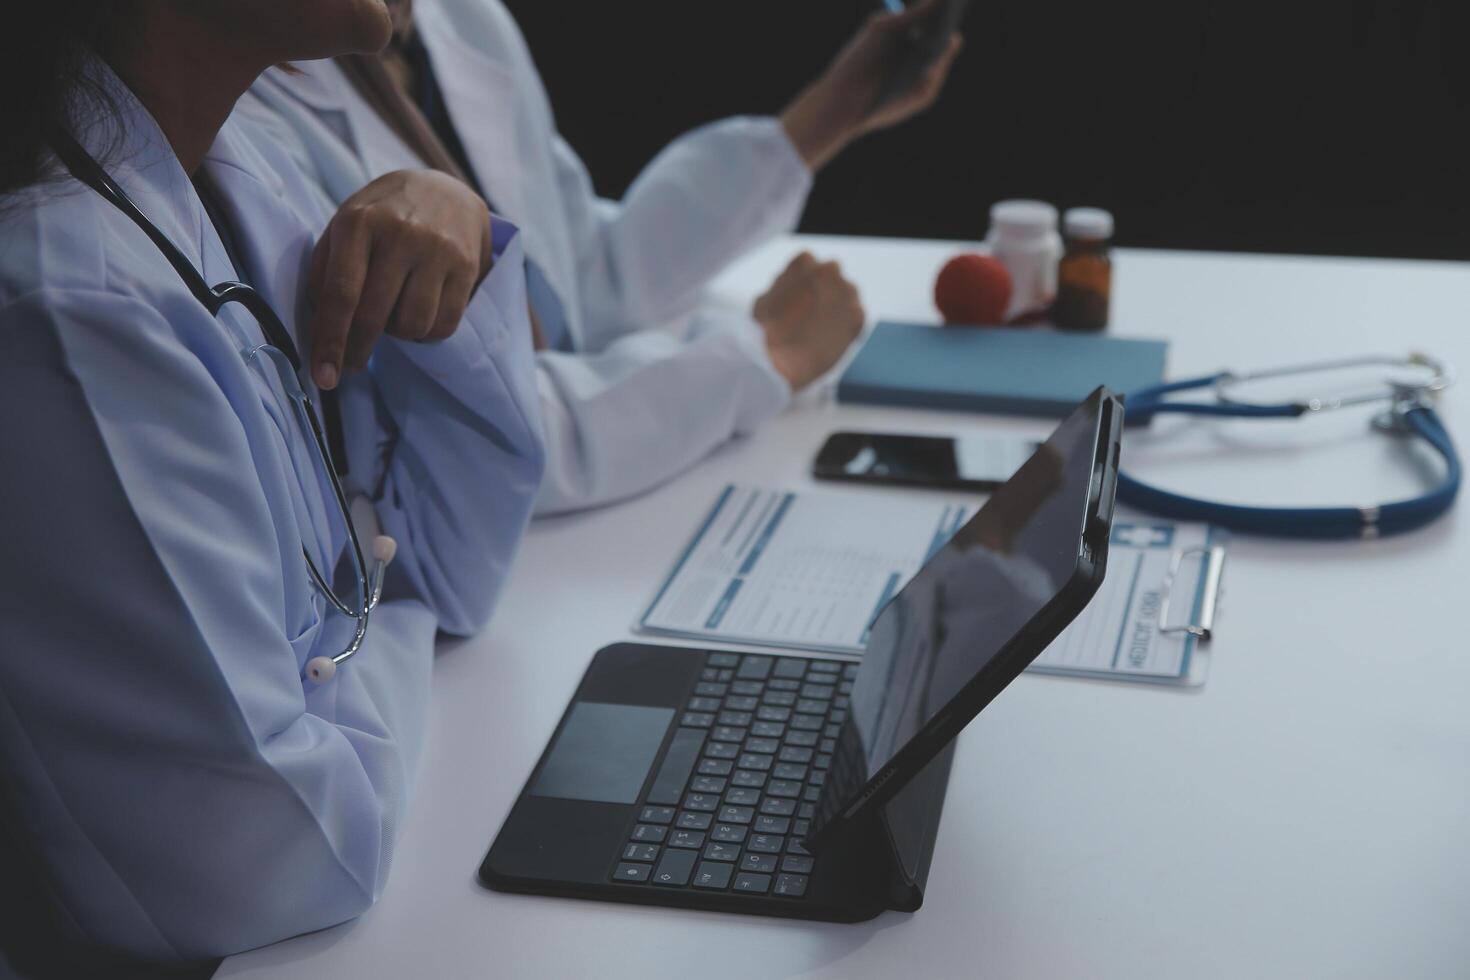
(1319, 128)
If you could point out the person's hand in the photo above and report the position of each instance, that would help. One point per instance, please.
(402, 256)
(811, 314)
(839, 107)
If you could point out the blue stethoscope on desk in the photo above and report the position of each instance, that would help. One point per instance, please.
(278, 351)
(1410, 413)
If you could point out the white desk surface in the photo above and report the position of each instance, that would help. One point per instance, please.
(1305, 813)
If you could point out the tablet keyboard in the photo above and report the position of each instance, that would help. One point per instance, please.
(735, 791)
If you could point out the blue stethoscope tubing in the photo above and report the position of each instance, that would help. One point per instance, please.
(1412, 414)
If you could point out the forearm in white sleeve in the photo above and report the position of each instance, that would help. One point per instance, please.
(711, 196)
(467, 455)
(649, 406)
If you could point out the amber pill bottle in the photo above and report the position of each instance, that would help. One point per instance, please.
(1085, 275)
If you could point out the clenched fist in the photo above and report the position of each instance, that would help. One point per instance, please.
(811, 314)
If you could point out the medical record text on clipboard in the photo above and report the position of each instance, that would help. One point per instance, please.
(811, 571)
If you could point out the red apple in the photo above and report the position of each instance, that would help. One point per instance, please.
(973, 290)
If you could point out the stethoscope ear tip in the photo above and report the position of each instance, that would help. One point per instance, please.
(319, 670)
(384, 548)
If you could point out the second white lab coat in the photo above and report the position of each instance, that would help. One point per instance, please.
(657, 379)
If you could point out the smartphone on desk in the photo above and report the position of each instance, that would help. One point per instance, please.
(921, 46)
(973, 463)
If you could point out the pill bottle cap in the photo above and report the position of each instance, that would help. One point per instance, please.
(1092, 223)
(1022, 219)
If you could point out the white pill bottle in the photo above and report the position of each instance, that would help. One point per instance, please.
(1023, 237)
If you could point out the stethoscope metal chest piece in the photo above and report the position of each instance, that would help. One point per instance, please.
(1409, 391)
(279, 352)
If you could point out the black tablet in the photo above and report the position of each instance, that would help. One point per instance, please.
(978, 612)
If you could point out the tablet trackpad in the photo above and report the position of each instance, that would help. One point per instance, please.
(604, 753)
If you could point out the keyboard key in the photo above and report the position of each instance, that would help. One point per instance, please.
(741, 703)
(704, 704)
(794, 846)
(709, 674)
(806, 812)
(842, 703)
(801, 828)
(749, 779)
(723, 660)
(722, 750)
(813, 794)
(758, 884)
(791, 886)
(806, 740)
(781, 684)
(822, 762)
(640, 852)
(647, 833)
(709, 689)
(777, 807)
(694, 821)
(754, 668)
(826, 667)
(736, 814)
(674, 869)
(837, 718)
(796, 865)
(850, 672)
(784, 787)
(766, 843)
(829, 745)
(715, 767)
(740, 796)
(712, 875)
(789, 770)
(781, 699)
(725, 676)
(727, 733)
(807, 723)
(697, 719)
(769, 712)
(763, 863)
(818, 778)
(737, 719)
(702, 802)
(746, 688)
(722, 852)
(811, 707)
(708, 784)
(729, 833)
(772, 825)
(673, 773)
(632, 872)
(756, 760)
(767, 729)
(763, 746)
(832, 731)
(790, 667)
(656, 814)
(845, 687)
(818, 692)
(687, 838)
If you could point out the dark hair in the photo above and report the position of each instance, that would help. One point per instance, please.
(44, 83)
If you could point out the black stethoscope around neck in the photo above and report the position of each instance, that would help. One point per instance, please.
(279, 351)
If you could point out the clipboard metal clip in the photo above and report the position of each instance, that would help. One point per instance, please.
(1214, 567)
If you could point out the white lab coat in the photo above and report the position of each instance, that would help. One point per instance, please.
(657, 379)
(186, 793)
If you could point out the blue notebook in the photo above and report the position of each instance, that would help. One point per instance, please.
(991, 369)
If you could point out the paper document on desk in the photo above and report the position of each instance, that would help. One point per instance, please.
(798, 571)
(1133, 629)
(811, 572)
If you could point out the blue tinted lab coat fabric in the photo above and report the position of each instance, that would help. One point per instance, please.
(184, 791)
